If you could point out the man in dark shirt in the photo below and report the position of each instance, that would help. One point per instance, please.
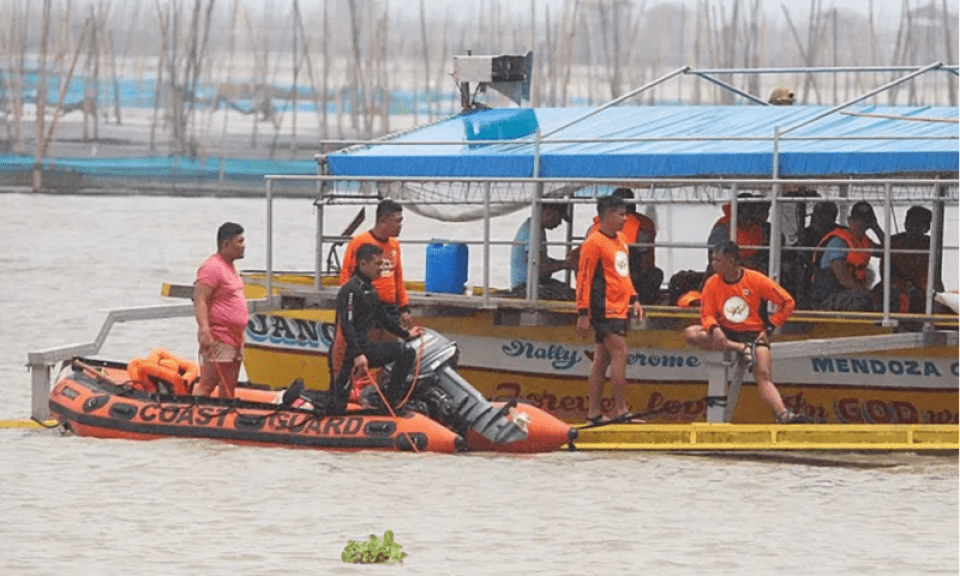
(359, 309)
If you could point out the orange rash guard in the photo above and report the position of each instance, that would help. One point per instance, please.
(604, 289)
(390, 283)
(735, 306)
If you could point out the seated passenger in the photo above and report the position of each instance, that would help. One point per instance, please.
(359, 308)
(639, 229)
(753, 230)
(840, 280)
(908, 272)
(823, 220)
(797, 269)
(551, 215)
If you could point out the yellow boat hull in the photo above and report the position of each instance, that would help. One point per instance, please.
(548, 367)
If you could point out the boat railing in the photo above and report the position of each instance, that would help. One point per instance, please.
(40, 363)
(491, 197)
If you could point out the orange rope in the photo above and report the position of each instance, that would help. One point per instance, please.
(383, 398)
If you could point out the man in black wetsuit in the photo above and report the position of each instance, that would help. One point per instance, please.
(359, 309)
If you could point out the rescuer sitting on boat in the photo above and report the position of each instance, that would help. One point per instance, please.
(730, 319)
(841, 280)
(352, 353)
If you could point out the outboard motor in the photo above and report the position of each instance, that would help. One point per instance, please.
(451, 400)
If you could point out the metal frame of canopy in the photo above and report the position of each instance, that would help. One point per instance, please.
(780, 135)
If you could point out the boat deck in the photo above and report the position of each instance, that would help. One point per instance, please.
(735, 437)
(713, 437)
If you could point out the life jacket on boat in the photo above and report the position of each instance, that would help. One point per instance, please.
(161, 366)
(748, 234)
(856, 260)
(825, 282)
(690, 299)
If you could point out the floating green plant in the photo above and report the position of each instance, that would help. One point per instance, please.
(374, 550)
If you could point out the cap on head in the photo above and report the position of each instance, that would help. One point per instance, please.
(781, 96)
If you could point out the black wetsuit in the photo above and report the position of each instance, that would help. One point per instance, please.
(359, 309)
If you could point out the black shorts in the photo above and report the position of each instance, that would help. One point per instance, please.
(601, 328)
(742, 337)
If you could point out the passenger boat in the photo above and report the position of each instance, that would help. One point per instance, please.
(147, 399)
(834, 367)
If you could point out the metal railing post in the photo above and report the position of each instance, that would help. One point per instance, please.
(269, 255)
(533, 252)
(321, 190)
(936, 235)
(887, 264)
(39, 391)
(486, 245)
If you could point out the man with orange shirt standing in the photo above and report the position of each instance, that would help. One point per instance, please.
(730, 319)
(605, 296)
(639, 229)
(389, 284)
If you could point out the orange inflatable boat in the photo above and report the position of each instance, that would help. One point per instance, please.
(148, 399)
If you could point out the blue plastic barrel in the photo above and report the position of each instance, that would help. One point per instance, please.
(447, 265)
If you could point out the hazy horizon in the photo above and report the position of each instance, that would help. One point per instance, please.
(889, 8)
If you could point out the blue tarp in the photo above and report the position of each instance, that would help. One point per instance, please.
(714, 150)
(165, 167)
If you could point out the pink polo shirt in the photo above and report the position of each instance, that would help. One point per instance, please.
(228, 306)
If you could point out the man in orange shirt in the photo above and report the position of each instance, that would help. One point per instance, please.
(605, 296)
(730, 319)
(638, 229)
(389, 284)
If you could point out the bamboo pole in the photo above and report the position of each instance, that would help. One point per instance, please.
(297, 58)
(64, 85)
(326, 72)
(950, 58)
(307, 42)
(41, 97)
(162, 24)
(383, 40)
(21, 23)
(228, 85)
(425, 46)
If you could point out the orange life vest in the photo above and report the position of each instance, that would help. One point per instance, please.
(178, 372)
(747, 234)
(633, 225)
(857, 261)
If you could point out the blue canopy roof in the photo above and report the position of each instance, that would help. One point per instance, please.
(718, 148)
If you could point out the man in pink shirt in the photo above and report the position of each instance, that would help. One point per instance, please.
(221, 307)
